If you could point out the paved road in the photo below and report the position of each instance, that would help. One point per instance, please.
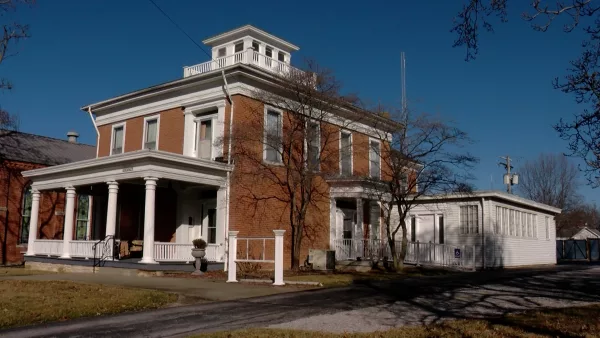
(362, 307)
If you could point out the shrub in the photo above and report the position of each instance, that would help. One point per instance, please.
(199, 243)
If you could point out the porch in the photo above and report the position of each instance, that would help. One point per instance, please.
(145, 206)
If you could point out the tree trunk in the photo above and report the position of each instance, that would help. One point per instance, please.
(399, 263)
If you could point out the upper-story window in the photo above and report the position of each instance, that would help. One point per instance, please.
(151, 133)
(269, 51)
(374, 159)
(221, 52)
(118, 139)
(346, 153)
(313, 145)
(238, 47)
(273, 136)
(256, 45)
(204, 135)
(281, 56)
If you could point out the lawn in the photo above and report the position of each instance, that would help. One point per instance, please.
(25, 302)
(20, 271)
(568, 322)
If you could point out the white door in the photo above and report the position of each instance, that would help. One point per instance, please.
(192, 216)
(426, 229)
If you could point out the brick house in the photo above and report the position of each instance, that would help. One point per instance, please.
(165, 172)
(21, 152)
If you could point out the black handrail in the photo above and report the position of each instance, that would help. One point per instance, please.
(101, 258)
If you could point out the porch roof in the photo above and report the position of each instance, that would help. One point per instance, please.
(356, 187)
(131, 165)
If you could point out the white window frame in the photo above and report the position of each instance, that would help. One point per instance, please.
(213, 122)
(371, 160)
(151, 118)
(468, 225)
(86, 220)
(112, 136)
(348, 132)
(318, 124)
(547, 225)
(276, 110)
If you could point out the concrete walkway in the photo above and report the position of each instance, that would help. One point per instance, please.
(365, 307)
(193, 290)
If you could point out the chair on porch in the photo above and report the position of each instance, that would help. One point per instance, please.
(136, 248)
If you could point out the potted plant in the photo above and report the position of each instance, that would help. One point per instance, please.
(198, 252)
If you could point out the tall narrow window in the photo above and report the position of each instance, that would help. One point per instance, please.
(546, 225)
(281, 56)
(117, 140)
(505, 223)
(204, 137)
(212, 226)
(517, 223)
(375, 159)
(469, 219)
(150, 134)
(346, 154)
(524, 224)
(511, 219)
(441, 229)
(534, 225)
(313, 140)
(269, 54)
(239, 46)
(273, 139)
(498, 220)
(256, 46)
(25, 215)
(83, 209)
(413, 229)
(221, 60)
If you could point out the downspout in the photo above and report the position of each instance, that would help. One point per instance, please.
(228, 189)
(482, 233)
(4, 249)
(97, 131)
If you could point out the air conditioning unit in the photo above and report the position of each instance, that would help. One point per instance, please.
(321, 259)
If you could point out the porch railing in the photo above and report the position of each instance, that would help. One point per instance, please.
(83, 249)
(50, 247)
(447, 255)
(178, 252)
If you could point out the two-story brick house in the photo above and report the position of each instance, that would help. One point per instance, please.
(165, 171)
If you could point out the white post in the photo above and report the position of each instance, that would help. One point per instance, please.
(278, 257)
(332, 224)
(111, 210)
(359, 235)
(148, 250)
(33, 222)
(231, 256)
(189, 126)
(418, 252)
(68, 228)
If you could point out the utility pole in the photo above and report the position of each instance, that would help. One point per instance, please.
(509, 179)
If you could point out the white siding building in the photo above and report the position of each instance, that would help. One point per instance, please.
(506, 230)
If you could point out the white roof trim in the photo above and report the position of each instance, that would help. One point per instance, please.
(252, 29)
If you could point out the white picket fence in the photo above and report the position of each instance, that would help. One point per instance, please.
(178, 252)
(446, 255)
(54, 247)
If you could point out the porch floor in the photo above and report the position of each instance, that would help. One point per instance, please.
(128, 263)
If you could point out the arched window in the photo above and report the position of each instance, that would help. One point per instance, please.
(25, 215)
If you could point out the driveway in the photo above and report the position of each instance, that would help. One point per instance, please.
(362, 307)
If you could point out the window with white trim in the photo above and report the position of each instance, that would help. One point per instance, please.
(238, 47)
(413, 229)
(374, 159)
(313, 145)
(534, 225)
(204, 138)
(211, 237)
(273, 136)
(547, 226)
(25, 215)
(151, 134)
(345, 153)
(469, 219)
(118, 139)
(83, 219)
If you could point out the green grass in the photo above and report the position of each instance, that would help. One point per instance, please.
(568, 322)
(25, 302)
(20, 271)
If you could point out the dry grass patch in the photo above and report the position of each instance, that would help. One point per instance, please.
(20, 271)
(30, 302)
(567, 322)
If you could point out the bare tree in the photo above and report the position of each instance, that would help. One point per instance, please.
(285, 145)
(551, 179)
(577, 217)
(582, 131)
(424, 157)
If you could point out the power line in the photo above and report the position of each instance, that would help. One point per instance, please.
(180, 29)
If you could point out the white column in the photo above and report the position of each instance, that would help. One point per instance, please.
(221, 219)
(358, 233)
(111, 210)
(33, 222)
(148, 256)
(68, 228)
(188, 134)
(231, 257)
(332, 224)
(278, 257)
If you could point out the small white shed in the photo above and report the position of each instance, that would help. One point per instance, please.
(506, 230)
(586, 233)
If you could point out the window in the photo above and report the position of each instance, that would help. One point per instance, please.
(534, 225)
(83, 209)
(313, 145)
(256, 46)
(441, 229)
(25, 215)
(505, 221)
(281, 56)
(469, 219)
(273, 133)
(269, 54)
(529, 232)
(118, 139)
(204, 130)
(511, 220)
(346, 154)
(239, 46)
(546, 225)
(221, 60)
(498, 220)
(413, 229)
(524, 224)
(517, 223)
(212, 226)
(374, 159)
(151, 134)
(221, 52)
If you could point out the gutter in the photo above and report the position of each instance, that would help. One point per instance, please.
(97, 131)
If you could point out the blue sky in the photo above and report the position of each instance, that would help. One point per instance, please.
(82, 52)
